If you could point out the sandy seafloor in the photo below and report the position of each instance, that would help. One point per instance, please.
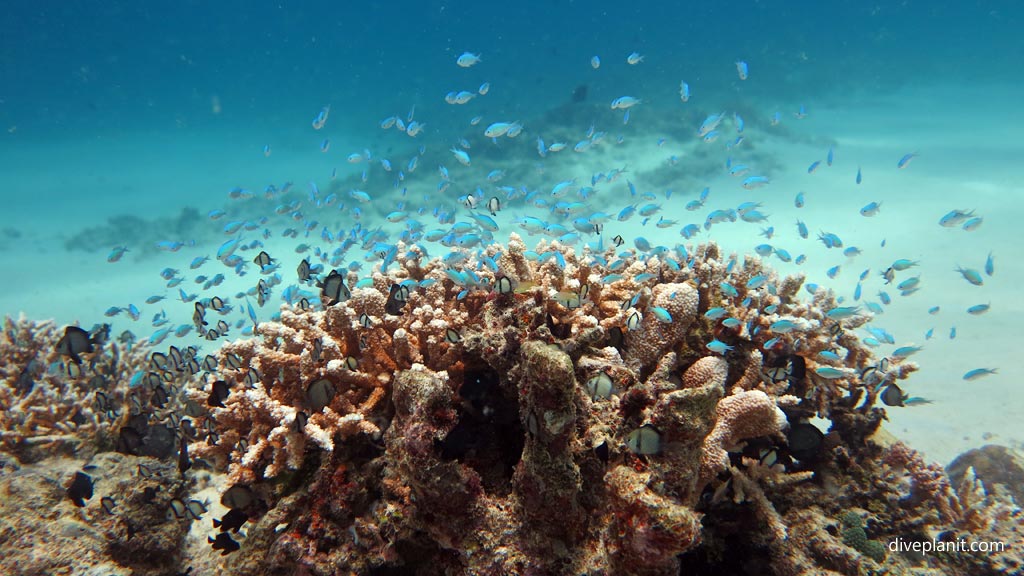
(969, 158)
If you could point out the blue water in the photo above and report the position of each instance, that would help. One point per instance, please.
(110, 109)
(83, 69)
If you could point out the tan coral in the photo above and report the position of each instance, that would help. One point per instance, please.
(744, 415)
(653, 337)
(43, 411)
(707, 370)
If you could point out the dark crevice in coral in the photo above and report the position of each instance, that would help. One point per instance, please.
(488, 436)
(728, 547)
(291, 481)
(417, 555)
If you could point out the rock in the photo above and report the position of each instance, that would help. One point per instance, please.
(992, 465)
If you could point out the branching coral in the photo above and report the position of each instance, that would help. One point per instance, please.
(501, 405)
(47, 404)
(930, 487)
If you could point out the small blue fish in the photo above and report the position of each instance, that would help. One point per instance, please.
(843, 312)
(252, 313)
(170, 246)
(756, 282)
(228, 248)
(828, 159)
(116, 254)
(971, 275)
(718, 347)
(829, 356)
(755, 182)
(858, 179)
(661, 314)
(359, 196)
(814, 166)
(870, 209)
(649, 209)
(715, 313)
(801, 229)
(978, 373)
(905, 161)
(989, 265)
(159, 336)
(829, 372)
(978, 309)
(973, 224)
(782, 327)
(909, 284)
(906, 351)
(741, 70)
(799, 200)
(830, 240)
(881, 334)
(955, 217)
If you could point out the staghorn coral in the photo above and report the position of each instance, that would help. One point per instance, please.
(463, 436)
(44, 408)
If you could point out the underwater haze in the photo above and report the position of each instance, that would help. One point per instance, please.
(151, 151)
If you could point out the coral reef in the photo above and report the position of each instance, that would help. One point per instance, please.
(50, 406)
(464, 431)
(531, 412)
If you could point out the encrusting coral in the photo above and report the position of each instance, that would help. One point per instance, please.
(537, 413)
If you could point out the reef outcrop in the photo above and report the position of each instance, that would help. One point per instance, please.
(548, 412)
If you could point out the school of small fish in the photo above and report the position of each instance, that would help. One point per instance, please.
(396, 207)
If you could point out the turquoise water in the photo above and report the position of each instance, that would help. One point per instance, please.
(117, 117)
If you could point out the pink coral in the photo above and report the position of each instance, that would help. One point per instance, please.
(929, 484)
